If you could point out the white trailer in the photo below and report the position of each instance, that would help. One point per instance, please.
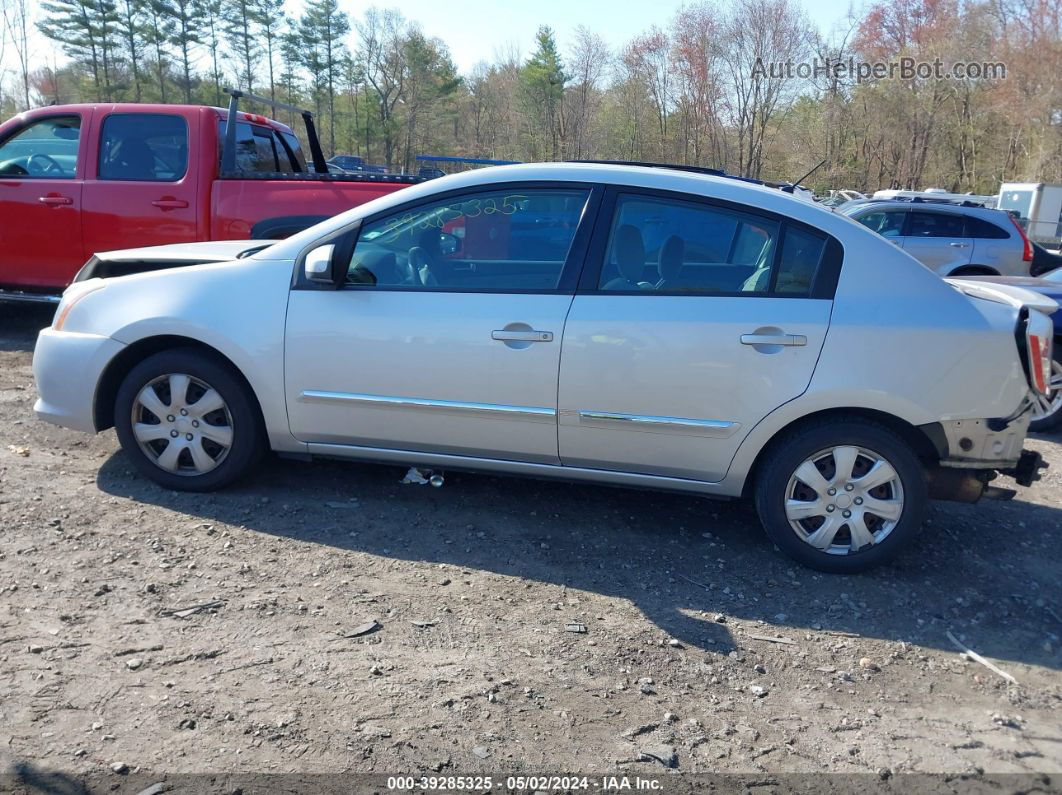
(1038, 206)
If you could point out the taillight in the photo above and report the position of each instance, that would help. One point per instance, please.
(1027, 255)
(1039, 333)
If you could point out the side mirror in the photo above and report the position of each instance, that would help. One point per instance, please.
(319, 265)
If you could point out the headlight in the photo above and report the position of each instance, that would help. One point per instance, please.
(71, 298)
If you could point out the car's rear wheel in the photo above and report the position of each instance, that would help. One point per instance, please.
(1047, 409)
(842, 496)
(188, 421)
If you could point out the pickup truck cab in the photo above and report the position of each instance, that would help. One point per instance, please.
(80, 179)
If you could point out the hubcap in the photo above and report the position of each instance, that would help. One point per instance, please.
(1045, 406)
(844, 499)
(182, 424)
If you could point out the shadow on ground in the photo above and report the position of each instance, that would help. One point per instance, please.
(19, 324)
(988, 573)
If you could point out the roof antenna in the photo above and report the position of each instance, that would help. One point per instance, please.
(792, 185)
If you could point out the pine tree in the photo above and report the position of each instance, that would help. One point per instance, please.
(85, 29)
(322, 28)
(186, 18)
(543, 80)
(130, 26)
(271, 22)
(210, 11)
(240, 17)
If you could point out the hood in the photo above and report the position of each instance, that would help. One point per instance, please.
(1009, 294)
(207, 251)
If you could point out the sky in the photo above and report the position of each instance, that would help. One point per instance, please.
(475, 30)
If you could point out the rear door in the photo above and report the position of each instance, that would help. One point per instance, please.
(698, 320)
(938, 240)
(41, 179)
(143, 190)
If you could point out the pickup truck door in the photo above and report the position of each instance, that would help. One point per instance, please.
(141, 189)
(420, 350)
(696, 329)
(41, 172)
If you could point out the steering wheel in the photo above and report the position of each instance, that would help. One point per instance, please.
(49, 167)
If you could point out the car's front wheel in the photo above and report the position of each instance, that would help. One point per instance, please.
(188, 421)
(1047, 409)
(841, 496)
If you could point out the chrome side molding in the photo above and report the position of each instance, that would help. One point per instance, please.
(718, 428)
(451, 406)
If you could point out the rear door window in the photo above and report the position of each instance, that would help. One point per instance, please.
(143, 147)
(923, 224)
(260, 151)
(663, 244)
(978, 228)
(46, 149)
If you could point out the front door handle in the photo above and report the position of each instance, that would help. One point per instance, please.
(522, 336)
(958, 245)
(170, 203)
(55, 200)
(774, 339)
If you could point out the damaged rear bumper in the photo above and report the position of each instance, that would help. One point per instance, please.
(974, 452)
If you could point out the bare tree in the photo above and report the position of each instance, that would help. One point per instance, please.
(381, 56)
(16, 27)
(589, 62)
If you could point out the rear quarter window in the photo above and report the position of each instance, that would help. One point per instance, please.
(979, 228)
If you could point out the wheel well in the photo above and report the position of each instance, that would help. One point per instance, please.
(974, 270)
(132, 355)
(918, 437)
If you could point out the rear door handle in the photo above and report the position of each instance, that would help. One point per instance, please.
(958, 245)
(53, 200)
(169, 203)
(522, 336)
(774, 339)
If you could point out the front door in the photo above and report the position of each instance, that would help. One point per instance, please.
(938, 240)
(40, 203)
(703, 320)
(144, 191)
(446, 337)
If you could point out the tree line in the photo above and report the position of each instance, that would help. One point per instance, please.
(692, 89)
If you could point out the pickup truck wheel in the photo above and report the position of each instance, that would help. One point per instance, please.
(1047, 409)
(842, 497)
(188, 421)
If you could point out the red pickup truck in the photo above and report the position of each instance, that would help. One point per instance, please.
(78, 179)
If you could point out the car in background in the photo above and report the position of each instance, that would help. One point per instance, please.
(347, 162)
(950, 239)
(674, 330)
(1047, 410)
(835, 198)
(125, 175)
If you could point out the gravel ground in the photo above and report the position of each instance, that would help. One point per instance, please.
(157, 634)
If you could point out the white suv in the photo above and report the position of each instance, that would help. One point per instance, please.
(626, 325)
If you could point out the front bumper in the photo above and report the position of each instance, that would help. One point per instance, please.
(67, 367)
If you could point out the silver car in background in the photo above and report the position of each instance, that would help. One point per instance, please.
(606, 323)
(949, 239)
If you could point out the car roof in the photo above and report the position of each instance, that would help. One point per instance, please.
(722, 188)
(925, 205)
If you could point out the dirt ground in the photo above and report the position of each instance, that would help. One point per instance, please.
(147, 633)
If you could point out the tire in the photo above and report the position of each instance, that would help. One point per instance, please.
(205, 446)
(780, 488)
(972, 270)
(1047, 414)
